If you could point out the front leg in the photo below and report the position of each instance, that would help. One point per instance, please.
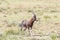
(30, 31)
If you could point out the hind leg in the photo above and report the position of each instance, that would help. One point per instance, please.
(25, 28)
(21, 28)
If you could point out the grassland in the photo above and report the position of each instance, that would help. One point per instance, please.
(12, 12)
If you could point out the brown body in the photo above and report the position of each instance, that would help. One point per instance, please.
(28, 23)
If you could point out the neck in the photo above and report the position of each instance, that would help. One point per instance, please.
(31, 21)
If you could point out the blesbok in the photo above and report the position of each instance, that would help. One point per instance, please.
(28, 24)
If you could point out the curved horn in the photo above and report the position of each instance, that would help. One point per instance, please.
(33, 12)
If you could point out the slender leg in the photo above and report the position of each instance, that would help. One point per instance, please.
(29, 30)
(21, 28)
(25, 29)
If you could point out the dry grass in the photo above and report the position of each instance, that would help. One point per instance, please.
(13, 11)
